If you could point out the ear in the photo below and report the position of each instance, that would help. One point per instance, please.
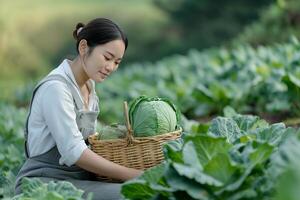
(83, 47)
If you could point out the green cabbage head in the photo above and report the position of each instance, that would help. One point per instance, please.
(151, 116)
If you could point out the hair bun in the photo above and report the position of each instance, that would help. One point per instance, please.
(75, 32)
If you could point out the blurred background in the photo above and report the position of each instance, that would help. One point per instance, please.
(36, 35)
(203, 55)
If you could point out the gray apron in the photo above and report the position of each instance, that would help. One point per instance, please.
(46, 166)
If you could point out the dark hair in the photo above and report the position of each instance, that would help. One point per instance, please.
(99, 31)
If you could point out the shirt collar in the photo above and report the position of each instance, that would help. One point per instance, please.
(69, 73)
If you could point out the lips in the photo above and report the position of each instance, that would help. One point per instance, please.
(103, 73)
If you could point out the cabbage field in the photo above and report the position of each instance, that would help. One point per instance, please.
(263, 81)
(240, 114)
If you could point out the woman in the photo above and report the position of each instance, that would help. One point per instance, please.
(63, 113)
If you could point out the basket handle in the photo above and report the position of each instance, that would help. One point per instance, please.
(129, 135)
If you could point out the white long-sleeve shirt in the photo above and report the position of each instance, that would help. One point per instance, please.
(53, 119)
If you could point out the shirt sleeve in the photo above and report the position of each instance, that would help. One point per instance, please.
(60, 117)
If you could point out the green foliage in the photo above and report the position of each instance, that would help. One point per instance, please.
(223, 165)
(232, 157)
(287, 162)
(12, 143)
(202, 24)
(276, 24)
(262, 80)
(35, 189)
(12, 121)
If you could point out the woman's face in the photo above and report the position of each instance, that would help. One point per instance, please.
(103, 60)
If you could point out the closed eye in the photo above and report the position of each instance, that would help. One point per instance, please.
(107, 58)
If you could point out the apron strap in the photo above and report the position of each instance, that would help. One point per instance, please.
(76, 98)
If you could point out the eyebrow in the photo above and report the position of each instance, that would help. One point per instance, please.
(113, 55)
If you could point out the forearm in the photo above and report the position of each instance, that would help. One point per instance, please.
(92, 162)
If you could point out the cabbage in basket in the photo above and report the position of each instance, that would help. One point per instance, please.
(150, 116)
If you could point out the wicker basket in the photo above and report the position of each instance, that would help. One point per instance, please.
(134, 152)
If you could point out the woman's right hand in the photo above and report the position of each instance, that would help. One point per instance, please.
(133, 173)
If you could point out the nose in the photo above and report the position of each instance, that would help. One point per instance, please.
(110, 67)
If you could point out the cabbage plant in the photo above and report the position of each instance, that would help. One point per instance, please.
(151, 116)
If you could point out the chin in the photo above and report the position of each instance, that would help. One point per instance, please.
(98, 80)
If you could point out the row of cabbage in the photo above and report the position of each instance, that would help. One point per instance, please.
(231, 157)
(12, 122)
(263, 80)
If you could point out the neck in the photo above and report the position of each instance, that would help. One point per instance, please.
(79, 74)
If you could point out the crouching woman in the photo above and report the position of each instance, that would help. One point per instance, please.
(63, 113)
